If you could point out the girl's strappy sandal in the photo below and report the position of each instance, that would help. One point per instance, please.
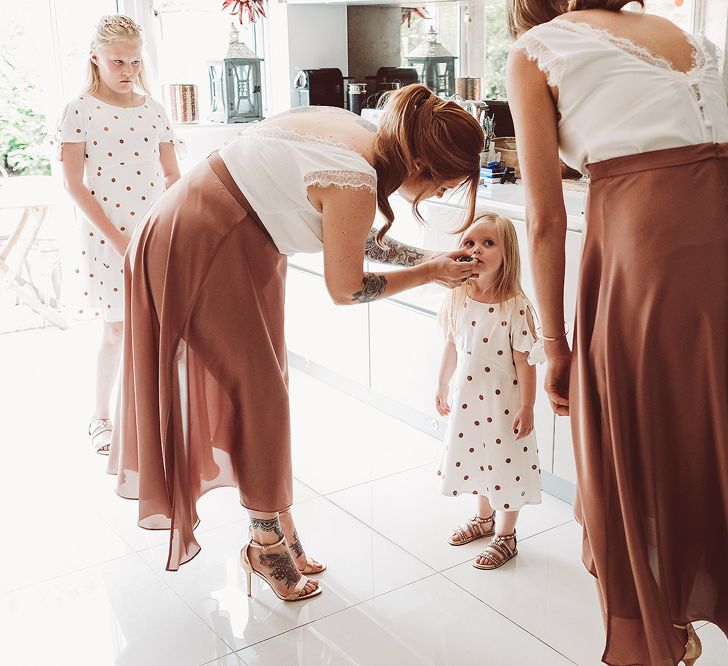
(100, 431)
(501, 549)
(281, 568)
(474, 529)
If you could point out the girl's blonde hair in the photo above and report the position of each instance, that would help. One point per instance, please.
(522, 15)
(111, 28)
(421, 132)
(508, 282)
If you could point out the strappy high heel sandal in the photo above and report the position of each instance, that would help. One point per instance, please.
(281, 568)
(693, 646)
(472, 530)
(100, 431)
(501, 549)
(311, 566)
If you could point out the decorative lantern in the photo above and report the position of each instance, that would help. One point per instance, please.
(235, 91)
(435, 65)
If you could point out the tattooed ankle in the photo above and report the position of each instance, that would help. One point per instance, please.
(296, 547)
(281, 567)
(267, 525)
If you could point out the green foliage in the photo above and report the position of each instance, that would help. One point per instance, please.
(22, 130)
(497, 44)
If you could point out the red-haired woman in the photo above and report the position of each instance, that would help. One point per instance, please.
(205, 381)
(638, 105)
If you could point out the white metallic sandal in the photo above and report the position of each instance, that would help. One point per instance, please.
(100, 431)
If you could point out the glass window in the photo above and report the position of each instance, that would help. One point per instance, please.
(446, 21)
(181, 62)
(43, 57)
(679, 12)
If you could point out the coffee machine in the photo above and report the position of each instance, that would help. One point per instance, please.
(320, 87)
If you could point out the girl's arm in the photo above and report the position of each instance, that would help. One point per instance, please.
(73, 157)
(526, 376)
(168, 160)
(447, 368)
(536, 124)
(394, 252)
(347, 219)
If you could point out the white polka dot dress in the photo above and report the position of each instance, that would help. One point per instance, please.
(481, 454)
(123, 173)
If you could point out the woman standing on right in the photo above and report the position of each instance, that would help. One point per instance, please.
(638, 105)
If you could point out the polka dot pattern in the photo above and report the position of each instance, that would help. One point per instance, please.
(123, 172)
(480, 442)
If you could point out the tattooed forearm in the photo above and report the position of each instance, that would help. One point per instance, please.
(394, 252)
(374, 286)
(296, 546)
(267, 525)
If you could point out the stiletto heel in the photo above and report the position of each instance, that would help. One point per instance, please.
(279, 572)
(693, 646)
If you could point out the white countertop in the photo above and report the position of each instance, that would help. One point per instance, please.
(510, 199)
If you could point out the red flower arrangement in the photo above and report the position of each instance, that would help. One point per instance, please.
(418, 11)
(252, 9)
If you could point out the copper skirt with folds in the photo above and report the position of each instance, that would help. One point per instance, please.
(649, 397)
(204, 384)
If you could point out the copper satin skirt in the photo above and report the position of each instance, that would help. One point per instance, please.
(649, 397)
(204, 385)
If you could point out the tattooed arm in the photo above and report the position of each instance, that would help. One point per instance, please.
(394, 252)
(347, 219)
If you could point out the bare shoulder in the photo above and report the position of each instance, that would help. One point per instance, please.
(330, 124)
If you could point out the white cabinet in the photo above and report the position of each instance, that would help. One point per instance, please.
(406, 346)
(332, 336)
(391, 349)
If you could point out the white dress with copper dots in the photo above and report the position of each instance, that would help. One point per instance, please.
(123, 173)
(481, 454)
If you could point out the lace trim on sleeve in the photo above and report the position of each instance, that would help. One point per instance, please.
(356, 180)
(551, 64)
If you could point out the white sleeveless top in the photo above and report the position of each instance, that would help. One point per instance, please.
(273, 167)
(616, 98)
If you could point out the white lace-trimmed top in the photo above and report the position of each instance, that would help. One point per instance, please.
(616, 98)
(273, 167)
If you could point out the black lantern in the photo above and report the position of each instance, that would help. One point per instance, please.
(435, 65)
(235, 90)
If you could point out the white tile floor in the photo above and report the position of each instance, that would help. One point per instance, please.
(81, 584)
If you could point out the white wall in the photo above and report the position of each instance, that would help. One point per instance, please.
(317, 37)
(304, 37)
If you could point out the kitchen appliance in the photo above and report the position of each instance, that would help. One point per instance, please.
(399, 76)
(357, 97)
(502, 114)
(320, 87)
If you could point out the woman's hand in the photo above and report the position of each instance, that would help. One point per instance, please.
(445, 270)
(523, 422)
(119, 242)
(441, 404)
(557, 376)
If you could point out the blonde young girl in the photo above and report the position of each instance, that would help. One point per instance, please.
(490, 447)
(116, 145)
